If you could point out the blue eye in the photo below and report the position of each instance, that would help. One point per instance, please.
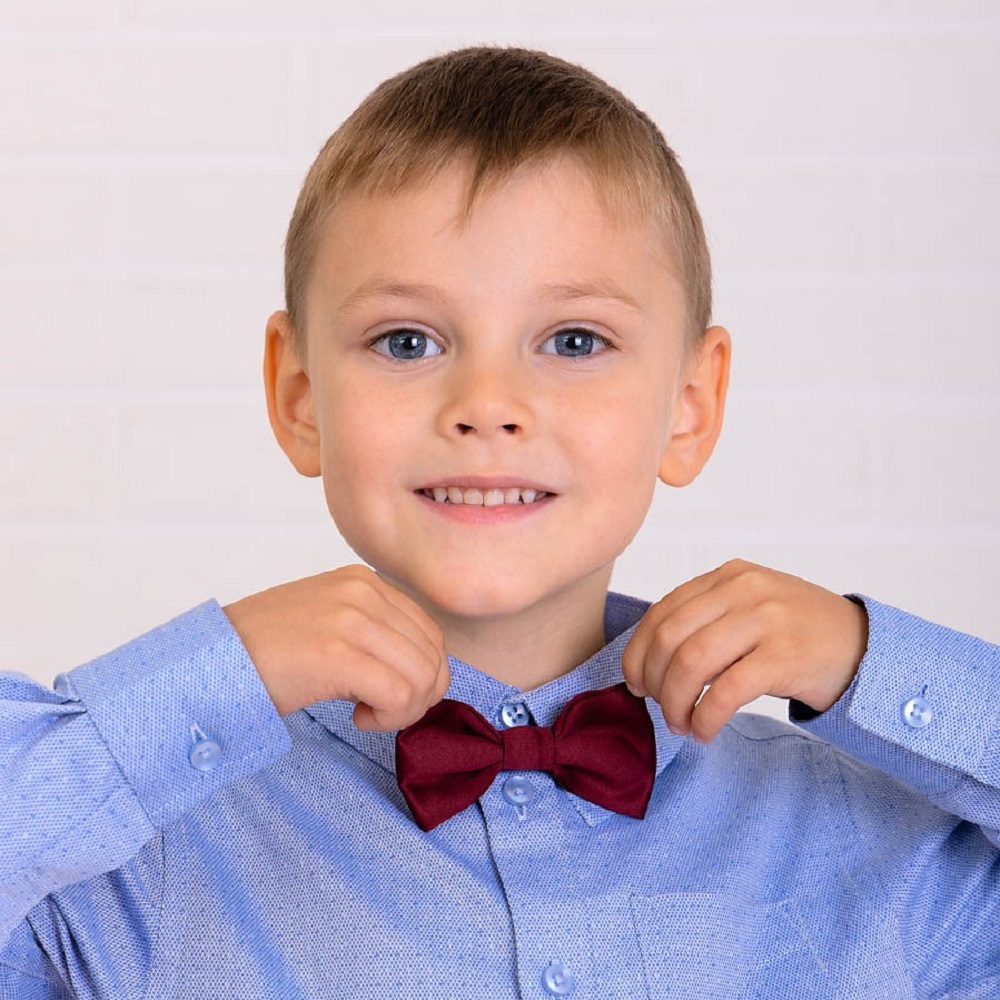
(405, 345)
(576, 343)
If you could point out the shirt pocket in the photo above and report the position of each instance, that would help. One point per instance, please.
(715, 945)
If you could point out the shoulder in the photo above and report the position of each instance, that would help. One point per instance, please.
(755, 727)
(759, 751)
(765, 746)
(765, 742)
(785, 752)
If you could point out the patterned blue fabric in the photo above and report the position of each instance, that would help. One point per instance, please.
(854, 855)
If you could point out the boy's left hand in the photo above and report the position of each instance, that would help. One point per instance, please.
(748, 631)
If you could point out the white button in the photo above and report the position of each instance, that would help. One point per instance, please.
(205, 755)
(558, 980)
(515, 715)
(518, 790)
(917, 713)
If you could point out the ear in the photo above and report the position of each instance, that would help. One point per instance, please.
(290, 405)
(698, 408)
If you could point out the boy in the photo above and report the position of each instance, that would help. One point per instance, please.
(496, 341)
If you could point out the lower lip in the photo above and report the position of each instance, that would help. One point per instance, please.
(469, 513)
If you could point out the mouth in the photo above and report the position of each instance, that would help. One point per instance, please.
(485, 492)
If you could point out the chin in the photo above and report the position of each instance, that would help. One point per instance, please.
(480, 601)
(464, 597)
(499, 598)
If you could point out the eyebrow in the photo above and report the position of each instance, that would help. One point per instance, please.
(384, 287)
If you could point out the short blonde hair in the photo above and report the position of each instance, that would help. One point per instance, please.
(502, 108)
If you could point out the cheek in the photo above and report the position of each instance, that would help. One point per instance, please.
(623, 438)
(353, 457)
(360, 432)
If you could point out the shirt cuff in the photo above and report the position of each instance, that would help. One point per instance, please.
(923, 705)
(182, 710)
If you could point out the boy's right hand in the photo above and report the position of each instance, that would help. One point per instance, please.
(345, 634)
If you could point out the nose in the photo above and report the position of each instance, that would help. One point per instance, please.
(486, 398)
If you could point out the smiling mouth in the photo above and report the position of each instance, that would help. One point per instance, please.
(485, 497)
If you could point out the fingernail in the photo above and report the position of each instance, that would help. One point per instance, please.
(634, 690)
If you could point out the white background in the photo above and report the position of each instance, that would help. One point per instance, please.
(845, 157)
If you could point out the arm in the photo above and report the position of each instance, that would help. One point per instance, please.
(923, 707)
(919, 701)
(853, 668)
(130, 742)
(127, 744)
(91, 771)
(940, 867)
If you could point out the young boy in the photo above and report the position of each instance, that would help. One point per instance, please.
(496, 341)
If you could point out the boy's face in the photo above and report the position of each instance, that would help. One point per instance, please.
(499, 369)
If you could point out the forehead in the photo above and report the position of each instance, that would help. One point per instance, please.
(544, 224)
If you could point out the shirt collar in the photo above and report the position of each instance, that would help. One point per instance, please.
(489, 696)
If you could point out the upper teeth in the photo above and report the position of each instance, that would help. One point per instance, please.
(484, 498)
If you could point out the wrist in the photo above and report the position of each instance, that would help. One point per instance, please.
(808, 704)
(241, 615)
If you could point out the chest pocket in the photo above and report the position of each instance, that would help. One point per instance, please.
(717, 946)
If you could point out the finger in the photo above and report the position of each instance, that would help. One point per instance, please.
(673, 632)
(414, 612)
(421, 634)
(398, 614)
(369, 718)
(393, 645)
(736, 687)
(394, 611)
(426, 634)
(364, 718)
(659, 632)
(702, 658)
(366, 600)
(637, 649)
(390, 698)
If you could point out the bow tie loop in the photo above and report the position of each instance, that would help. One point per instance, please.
(602, 748)
(528, 748)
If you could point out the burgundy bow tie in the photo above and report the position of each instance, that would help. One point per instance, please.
(602, 748)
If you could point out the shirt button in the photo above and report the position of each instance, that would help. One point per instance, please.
(518, 791)
(917, 713)
(558, 980)
(205, 755)
(515, 715)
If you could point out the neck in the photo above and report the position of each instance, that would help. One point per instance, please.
(539, 643)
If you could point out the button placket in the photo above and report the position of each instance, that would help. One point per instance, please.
(517, 789)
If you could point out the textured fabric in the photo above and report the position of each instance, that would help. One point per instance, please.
(602, 747)
(770, 864)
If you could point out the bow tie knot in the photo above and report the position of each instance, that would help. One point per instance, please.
(528, 748)
(602, 748)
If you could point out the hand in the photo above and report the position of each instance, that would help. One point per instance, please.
(345, 634)
(747, 631)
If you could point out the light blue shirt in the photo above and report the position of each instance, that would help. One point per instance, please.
(165, 834)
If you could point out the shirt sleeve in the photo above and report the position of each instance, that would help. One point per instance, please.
(923, 707)
(123, 746)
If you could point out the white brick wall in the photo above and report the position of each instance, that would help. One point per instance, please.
(845, 157)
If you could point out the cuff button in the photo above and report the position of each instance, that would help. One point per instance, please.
(917, 713)
(205, 755)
